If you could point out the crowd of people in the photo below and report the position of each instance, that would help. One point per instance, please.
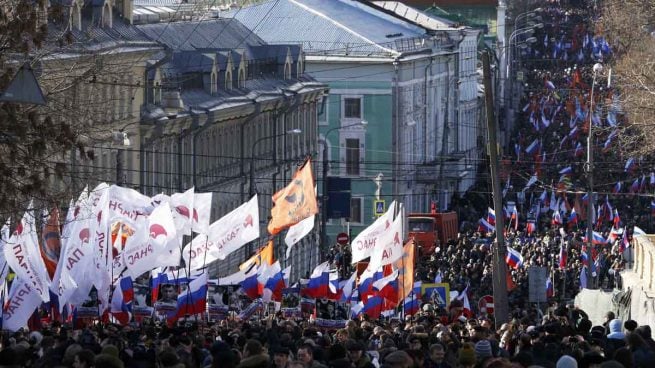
(564, 337)
(557, 115)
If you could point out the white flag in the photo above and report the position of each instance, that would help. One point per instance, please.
(225, 236)
(128, 205)
(23, 300)
(182, 207)
(76, 255)
(366, 241)
(389, 245)
(202, 206)
(103, 257)
(299, 231)
(24, 257)
(150, 248)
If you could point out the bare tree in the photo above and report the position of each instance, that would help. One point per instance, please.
(46, 149)
(629, 26)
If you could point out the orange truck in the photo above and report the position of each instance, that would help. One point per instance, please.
(433, 229)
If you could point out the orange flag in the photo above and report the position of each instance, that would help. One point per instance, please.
(51, 242)
(405, 267)
(295, 202)
(263, 255)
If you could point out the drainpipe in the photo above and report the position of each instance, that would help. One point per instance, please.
(242, 165)
(394, 127)
(445, 133)
(425, 109)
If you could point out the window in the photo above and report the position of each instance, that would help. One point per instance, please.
(228, 80)
(352, 156)
(356, 210)
(352, 108)
(242, 78)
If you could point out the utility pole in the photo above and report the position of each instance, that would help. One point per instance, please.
(501, 306)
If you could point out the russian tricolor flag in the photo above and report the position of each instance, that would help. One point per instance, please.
(121, 301)
(616, 188)
(319, 282)
(557, 218)
(550, 291)
(573, 218)
(410, 305)
(598, 239)
(272, 279)
(630, 165)
(485, 226)
(617, 219)
(250, 285)
(491, 216)
(366, 281)
(530, 227)
(387, 287)
(348, 287)
(194, 300)
(513, 258)
(373, 307)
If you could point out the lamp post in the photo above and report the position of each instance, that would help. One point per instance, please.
(121, 139)
(589, 168)
(509, 96)
(324, 196)
(252, 155)
(528, 14)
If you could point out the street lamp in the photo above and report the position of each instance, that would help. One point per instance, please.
(529, 14)
(121, 139)
(252, 155)
(509, 92)
(324, 196)
(589, 168)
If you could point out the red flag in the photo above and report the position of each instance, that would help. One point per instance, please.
(510, 282)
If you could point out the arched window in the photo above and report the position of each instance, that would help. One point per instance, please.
(242, 78)
(287, 70)
(106, 15)
(213, 87)
(76, 17)
(300, 65)
(228, 79)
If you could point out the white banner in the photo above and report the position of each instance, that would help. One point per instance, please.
(76, 256)
(182, 208)
(23, 300)
(389, 247)
(299, 231)
(23, 256)
(149, 248)
(202, 206)
(364, 244)
(225, 236)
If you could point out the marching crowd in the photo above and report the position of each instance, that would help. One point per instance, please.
(560, 335)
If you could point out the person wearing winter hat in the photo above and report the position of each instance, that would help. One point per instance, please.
(467, 356)
(616, 338)
(566, 361)
(483, 350)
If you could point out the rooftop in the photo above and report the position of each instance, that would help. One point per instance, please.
(335, 27)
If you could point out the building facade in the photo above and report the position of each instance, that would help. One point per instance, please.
(217, 106)
(393, 121)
